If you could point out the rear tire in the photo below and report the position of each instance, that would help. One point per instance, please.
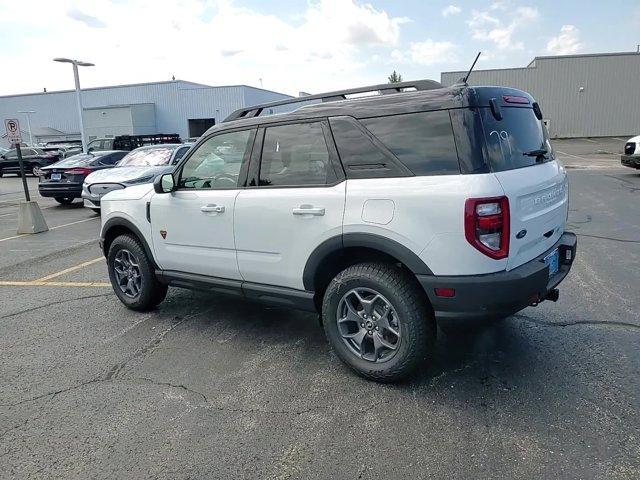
(378, 321)
(64, 200)
(132, 275)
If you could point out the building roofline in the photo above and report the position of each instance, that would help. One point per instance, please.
(548, 57)
(195, 84)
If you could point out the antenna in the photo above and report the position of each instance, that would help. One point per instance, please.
(466, 77)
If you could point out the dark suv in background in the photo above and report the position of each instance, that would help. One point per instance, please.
(34, 159)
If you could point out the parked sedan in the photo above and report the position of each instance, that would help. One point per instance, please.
(63, 180)
(33, 159)
(140, 166)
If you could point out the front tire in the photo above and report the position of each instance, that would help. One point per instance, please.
(132, 275)
(378, 321)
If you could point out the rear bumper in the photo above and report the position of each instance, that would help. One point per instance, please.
(632, 161)
(501, 294)
(59, 190)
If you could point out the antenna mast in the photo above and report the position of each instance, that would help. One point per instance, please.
(466, 77)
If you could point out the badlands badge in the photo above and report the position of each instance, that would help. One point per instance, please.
(163, 233)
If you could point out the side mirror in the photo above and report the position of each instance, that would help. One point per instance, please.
(90, 149)
(164, 183)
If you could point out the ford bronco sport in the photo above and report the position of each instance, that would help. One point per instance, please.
(383, 213)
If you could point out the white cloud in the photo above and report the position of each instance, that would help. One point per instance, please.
(451, 10)
(487, 26)
(566, 43)
(215, 42)
(427, 53)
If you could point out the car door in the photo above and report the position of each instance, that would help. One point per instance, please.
(294, 202)
(192, 227)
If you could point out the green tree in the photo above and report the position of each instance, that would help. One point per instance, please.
(395, 78)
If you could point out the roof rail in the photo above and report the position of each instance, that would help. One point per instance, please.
(382, 89)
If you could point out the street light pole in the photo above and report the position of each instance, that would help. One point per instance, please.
(28, 115)
(76, 78)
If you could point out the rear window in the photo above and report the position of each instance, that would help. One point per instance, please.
(423, 142)
(516, 141)
(80, 160)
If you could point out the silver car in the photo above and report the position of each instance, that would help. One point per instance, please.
(139, 166)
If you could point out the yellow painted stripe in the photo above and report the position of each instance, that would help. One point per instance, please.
(69, 270)
(53, 284)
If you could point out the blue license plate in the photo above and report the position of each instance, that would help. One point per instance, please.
(56, 176)
(553, 260)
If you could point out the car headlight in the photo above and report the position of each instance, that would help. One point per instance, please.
(139, 181)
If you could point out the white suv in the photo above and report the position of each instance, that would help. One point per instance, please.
(383, 213)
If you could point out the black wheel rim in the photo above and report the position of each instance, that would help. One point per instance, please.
(127, 272)
(369, 325)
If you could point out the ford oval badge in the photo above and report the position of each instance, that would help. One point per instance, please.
(521, 234)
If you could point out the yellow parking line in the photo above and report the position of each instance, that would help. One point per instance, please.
(69, 270)
(53, 284)
(52, 228)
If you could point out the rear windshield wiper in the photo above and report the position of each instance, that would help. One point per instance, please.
(540, 154)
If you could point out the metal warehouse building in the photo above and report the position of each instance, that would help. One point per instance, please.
(176, 106)
(593, 95)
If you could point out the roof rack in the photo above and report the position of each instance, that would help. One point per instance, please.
(382, 89)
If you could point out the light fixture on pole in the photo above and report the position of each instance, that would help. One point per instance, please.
(76, 64)
(28, 114)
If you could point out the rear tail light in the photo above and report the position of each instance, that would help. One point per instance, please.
(486, 225)
(79, 171)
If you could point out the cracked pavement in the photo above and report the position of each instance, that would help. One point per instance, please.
(209, 387)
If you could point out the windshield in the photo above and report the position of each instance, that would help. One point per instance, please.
(80, 160)
(147, 157)
(518, 140)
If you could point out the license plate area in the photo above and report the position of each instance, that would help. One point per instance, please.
(553, 262)
(56, 176)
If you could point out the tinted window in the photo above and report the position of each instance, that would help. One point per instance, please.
(359, 154)
(423, 142)
(510, 140)
(11, 154)
(111, 158)
(80, 160)
(180, 153)
(216, 163)
(145, 157)
(294, 155)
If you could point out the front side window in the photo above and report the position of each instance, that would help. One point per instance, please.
(423, 142)
(180, 153)
(216, 163)
(294, 155)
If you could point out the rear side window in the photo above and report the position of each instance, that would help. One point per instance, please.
(423, 142)
(111, 158)
(295, 155)
(518, 140)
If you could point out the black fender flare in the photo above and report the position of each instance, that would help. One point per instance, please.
(365, 240)
(123, 222)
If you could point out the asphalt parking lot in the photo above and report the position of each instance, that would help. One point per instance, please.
(207, 387)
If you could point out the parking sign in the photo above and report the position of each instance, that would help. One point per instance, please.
(13, 131)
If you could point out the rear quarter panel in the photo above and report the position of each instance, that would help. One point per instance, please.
(427, 217)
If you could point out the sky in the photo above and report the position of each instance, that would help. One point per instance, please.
(290, 45)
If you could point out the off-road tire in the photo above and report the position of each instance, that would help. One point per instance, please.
(152, 292)
(417, 324)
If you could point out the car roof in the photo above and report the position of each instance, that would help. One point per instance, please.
(456, 96)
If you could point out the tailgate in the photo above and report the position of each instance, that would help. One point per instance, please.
(538, 203)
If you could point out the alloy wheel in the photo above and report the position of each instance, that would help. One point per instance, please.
(368, 324)
(127, 272)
